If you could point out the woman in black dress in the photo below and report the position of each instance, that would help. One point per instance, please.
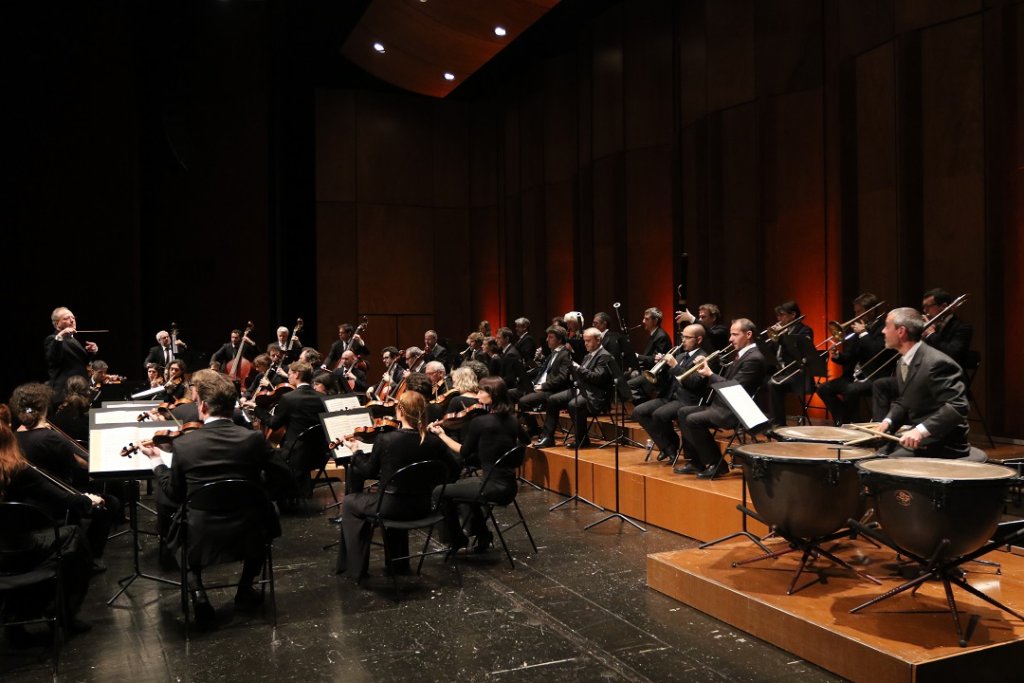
(391, 452)
(485, 438)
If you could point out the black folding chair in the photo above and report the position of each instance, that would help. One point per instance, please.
(417, 479)
(311, 445)
(971, 366)
(21, 524)
(229, 501)
(510, 460)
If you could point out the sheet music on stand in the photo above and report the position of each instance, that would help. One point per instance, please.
(342, 423)
(119, 415)
(141, 405)
(338, 403)
(741, 404)
(107, 440)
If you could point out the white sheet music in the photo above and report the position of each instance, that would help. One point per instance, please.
(141, 405)
(336, 403)
(105, 447)
(742, 405)
(110, 416)
(340, 424)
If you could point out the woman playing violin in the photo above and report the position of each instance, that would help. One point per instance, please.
(176, 387)
(154, 375)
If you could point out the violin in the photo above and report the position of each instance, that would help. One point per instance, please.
(380, 392)
(164, 409)
(368, 433)
(458, 420)
(161, 439)
(239, 367)
(444, 395)
(267, 398)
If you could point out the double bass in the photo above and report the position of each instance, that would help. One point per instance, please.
(239, 367)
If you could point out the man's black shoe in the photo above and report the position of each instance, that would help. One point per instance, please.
(544, 442)
(714, 471)
(686, 468)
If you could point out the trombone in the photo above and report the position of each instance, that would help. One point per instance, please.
(774, 332)
(837, 331)
(724, 352)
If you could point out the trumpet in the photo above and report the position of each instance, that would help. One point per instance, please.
(775, 331)
(721, 354)
(652, 374)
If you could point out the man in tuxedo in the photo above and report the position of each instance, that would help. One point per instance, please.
(289, 345)
(65, 356)
(930, 393)
(434, 351)
(950, 334)
(799, 384)
(164, 352)
(716, 335)
(510, 366)
(749, 369)
(657, 346)
(219, 450)
(609, 338)
(656, 416)
(225, 354)
(553, 378)
(526, 345)
(348, 340)
(297, 411)
(859, 357)
(350, 378)
(595, 380)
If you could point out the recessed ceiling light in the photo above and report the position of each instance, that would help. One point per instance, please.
(499, 30)
(379, 47)
(449, 76)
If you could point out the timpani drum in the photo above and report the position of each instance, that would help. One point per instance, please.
(921, 501)
(818, 434)
(808, 490)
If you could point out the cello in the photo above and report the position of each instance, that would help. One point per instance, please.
(239, 367)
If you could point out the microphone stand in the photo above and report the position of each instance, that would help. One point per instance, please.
(576, 458)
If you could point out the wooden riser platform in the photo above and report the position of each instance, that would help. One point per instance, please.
(649, 492)
(907, 638)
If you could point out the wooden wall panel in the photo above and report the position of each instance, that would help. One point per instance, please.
(337, 267)
(529, 300)
(788, 46)
(876, 259)
(394, 150)
(704, 278)
(485, 268)
(452, 275)
(693, 61)
(383, 232)
(649, 229)
(606, 86)
(730, 53)
(531, 131)
(510, 165)
(914, 14)
(483, 155)
(1010, 183)
(336, 146)
(557, 267)
(560, 119)
(863, 25)
(449, 181)
(609, 234)
(647, 73)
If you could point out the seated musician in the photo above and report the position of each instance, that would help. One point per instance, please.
(474, 348)
(573, 322)
(164, 352)
(511, 367)
(492, 356)
(154, 375)
(484, 328)
(710, 317)
(219, 450)
(348, 340)
(176, 387)
(467, 384)
(930, 393)
(483, 440)
(610, 339)
(59, 457)
(441, 390)
(392, 375)
(657, 346)
(858, 354)
(297, 411)
(698, 422)
(72, 416)
(391, 452)
(525, 343)
(948, 334)
(326, 383)
(595, 380)
(349, 377)
(21, 483)
(657, 415)
(312, 357)
(798, 382)
(258, 377)
(555, 376)
(414, 361)
(434, 351)
(101, 375)
(289, 345)
(225, 354)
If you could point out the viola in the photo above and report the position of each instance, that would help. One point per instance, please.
(164, 409)
(458, 420)
(161, 439)
(267, 398)
(368, 433)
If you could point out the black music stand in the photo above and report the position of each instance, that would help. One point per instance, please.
(809, 363)
(133, 524)
(620, 396)
(575, 497)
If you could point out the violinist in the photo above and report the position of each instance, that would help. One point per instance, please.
(325, 383)
(101, 375)
(164, 352)
(59, 457)
(219, 450)
(349, 377)
(278, 368)
(465, 382)
(21, 483)
(441, 390)
(72, 415)
(225, 354)
(154, 375)
(65, 356)
(176, 387)
(483, 440)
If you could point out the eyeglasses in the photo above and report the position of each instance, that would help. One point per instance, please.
(686, 336)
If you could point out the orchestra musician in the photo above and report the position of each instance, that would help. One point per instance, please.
(594, 376)
(573, 321)
(799, 384)
(164, 352)
(414, 361)
(465, 381)
(492, 356)
(176, 387)
(657, 415)
(526, 345)
(326, 383)
(349, 377)
(101, 376)
(859, 357)
(226, 353)
(610, 339)
(716, 335)
(154, 375)
(930, 393)
(348, 340)
(555, 376)
(72, 415)
(434, 351)
(658, 344)
(65, 356)
(289, 345)
(511, 367)
(949, 334)
(474, 349)
(698, 423)
(392, 375)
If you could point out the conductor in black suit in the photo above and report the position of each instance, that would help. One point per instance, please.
(595, 380)
(297, 411)
(930, 393)
(219, 450)
(748, 369)
(65, 355)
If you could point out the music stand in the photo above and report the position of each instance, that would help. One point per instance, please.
(339, 424)
(576, 458)
(620, 395)
(106, 462)
(809, 363)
